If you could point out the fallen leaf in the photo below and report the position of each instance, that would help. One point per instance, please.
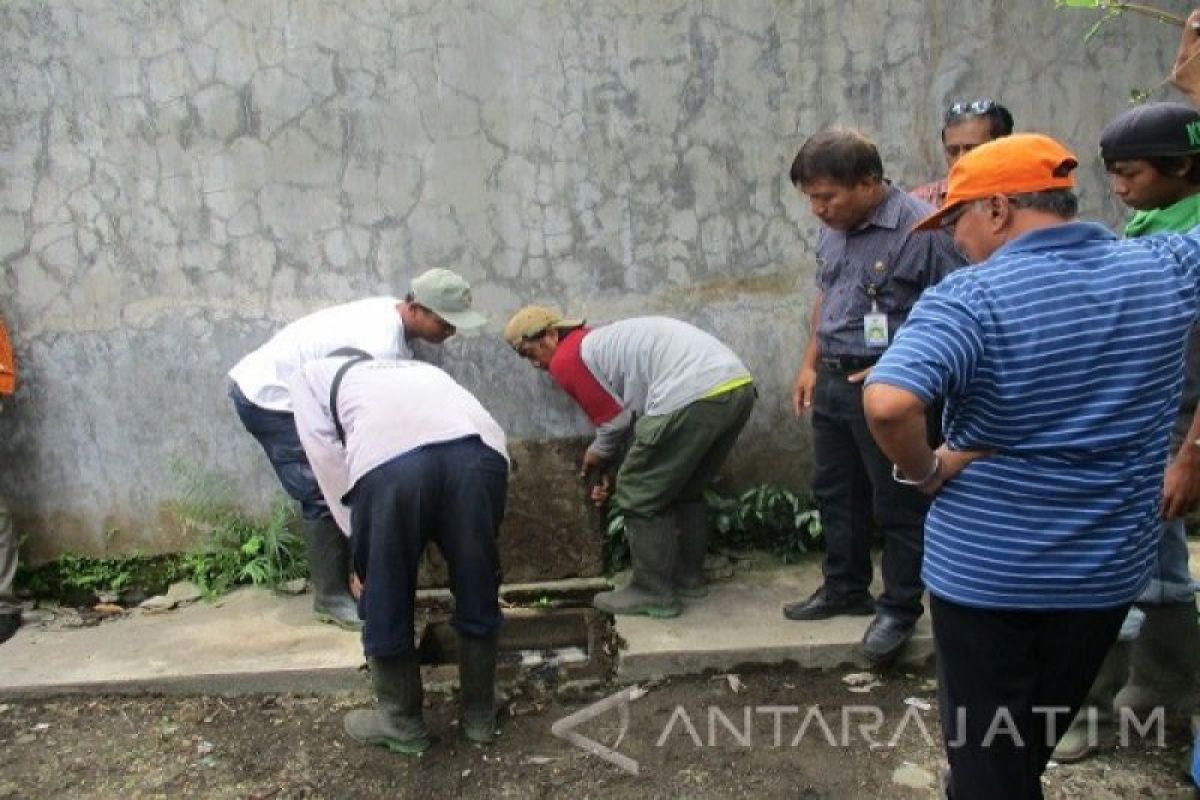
(918, 703)
(858, 678)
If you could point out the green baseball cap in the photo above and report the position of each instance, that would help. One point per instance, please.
(448, 295)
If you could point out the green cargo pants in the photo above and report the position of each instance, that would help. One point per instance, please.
(674, 457)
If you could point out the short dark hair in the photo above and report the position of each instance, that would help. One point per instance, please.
(1186, 167)
(843, 156)
(1000, 119)
(1060, 202)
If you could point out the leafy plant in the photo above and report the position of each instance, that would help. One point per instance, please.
(616, 547)
(765, 517)
(1111, 9)
(238, 549)
(768, 518)
(71, 574)
(235, 549)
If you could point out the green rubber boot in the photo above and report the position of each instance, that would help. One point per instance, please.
(477, 679)
(396, 724)
(329, 571)
(653, 542)
(692, 519)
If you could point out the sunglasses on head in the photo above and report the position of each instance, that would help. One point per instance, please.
(972, 108)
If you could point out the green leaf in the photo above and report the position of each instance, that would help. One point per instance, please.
(1081, 3)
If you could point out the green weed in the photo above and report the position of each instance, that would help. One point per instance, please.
(765, 517)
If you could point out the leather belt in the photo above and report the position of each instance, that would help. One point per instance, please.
(848, 364)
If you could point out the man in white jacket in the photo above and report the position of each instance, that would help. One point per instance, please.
(438, 305)
(405, 456)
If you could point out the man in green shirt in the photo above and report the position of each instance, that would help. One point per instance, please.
(1152, 154)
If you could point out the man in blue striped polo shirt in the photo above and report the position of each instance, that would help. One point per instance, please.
(1059, 358)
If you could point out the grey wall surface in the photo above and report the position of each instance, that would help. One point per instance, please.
(180, 178)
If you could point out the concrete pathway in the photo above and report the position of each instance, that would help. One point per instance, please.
(256, 640)
(249, 640)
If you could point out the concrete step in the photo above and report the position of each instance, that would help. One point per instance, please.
(741, 623)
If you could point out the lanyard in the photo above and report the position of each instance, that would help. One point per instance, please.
(873, 286)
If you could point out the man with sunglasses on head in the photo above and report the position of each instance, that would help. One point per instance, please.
(1059, 358)
(438, 305)
(681, 398)
(871, 268)
(966, 126)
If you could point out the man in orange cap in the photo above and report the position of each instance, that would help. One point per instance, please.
(1059, 358)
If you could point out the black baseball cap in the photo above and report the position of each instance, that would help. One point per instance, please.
(1152, 130)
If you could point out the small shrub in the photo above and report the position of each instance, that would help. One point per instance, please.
(236, 549)
(765, 517)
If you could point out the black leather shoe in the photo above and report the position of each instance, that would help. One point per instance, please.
(8, 626)
(885, 637)
(819, 607)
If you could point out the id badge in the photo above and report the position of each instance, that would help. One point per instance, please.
(875, 329)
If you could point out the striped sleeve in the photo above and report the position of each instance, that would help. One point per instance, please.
(936, 352)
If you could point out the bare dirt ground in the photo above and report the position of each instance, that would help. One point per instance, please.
(292, 746)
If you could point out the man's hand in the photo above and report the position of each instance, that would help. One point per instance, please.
(1181, 486)
(602, 490)
(592, 462)
(356, 586)
(858, 377)
(1186, 72)
(950, 463)
(802, 392)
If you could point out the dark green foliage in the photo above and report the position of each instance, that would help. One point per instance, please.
(235, 549)
(765, 517)
(71, 575)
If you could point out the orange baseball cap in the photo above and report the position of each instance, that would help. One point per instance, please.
(1022, 162)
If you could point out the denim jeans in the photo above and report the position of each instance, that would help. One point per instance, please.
(276, 432)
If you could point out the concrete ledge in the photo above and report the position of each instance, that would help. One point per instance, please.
(741, 623)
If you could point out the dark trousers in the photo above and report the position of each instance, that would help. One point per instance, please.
(853, 486)
(992, 661)
(276, 432)
(451, 494)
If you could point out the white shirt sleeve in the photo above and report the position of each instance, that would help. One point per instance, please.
(326, 455)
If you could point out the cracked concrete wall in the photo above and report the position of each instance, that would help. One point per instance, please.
(178, 178)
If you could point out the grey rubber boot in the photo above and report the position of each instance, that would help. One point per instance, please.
(396, 724)
(652, 547)
(692, 519)
(329, 571)
(477, 679)
(1082, 739)
(1163, 661)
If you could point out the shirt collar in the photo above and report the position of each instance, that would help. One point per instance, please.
(1175, 218)
(1056, 237)
(886, 214)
